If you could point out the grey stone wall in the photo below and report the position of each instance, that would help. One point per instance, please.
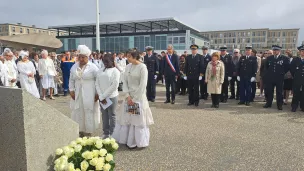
(30, 131)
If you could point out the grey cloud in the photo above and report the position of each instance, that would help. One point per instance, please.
(203, 15)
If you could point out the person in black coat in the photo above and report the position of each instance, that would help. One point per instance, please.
(152, 64)
(235, 60)
(276, 66)
(194, 70)
(203, 85)
(170, 71)
(229, 68)
(297, 72)
(246, 71)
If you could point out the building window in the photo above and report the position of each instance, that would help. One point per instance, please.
(28, 31)
(253, 34)
(294, 33)
(0, 29)
(175, 40)
(284, 34)
(182, 40)
(279, 34)
(34, 30)
(248, 33)
(13, 29)
(21, 30)
(278, 40)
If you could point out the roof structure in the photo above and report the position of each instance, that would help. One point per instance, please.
(127, 27)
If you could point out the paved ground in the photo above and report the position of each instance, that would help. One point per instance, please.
(229, 138)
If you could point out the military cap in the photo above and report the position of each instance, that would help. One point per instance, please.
(148, 48)
(204, 48)
(223, 48)
(248, 47)
(301, 47)
(194, 46)
(276, 47)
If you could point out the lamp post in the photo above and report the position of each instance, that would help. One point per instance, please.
(97, 26)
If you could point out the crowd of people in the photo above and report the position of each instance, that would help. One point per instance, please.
(93, 80)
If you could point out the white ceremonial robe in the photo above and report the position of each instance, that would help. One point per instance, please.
(84, 110)
(11, 74)
(133, 130)
(47, 69)
(3, 74)
(121, 66)
(26, 68)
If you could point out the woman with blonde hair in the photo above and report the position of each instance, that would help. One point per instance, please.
(214, 77)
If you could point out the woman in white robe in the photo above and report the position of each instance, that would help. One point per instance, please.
(84, 104)
(133, 130)
(12, 69)
(27, 73)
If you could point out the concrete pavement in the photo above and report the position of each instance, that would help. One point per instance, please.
(229, 138)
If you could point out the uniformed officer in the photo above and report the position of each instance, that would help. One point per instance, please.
(276, 66)
(229, 68)
(152, 63)
(194, 70)
(203, 85)
(297, 72)
(246, 72)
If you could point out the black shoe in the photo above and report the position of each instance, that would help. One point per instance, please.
(302, 110)
(225, 101)
(181, 93)
(294, 110)
(222, 101)
(241, 103)
(152, 100)
(206, 98)
(173, 102)
(267, 106)
(202, 97)
(65, 93)
(231, 97)
(216, 106)
(280, 108)
(167, 101)
(285, 103)
(212, 106)
(190, 104)
(251, 100)
(247, 103)
(237, 98)
(56, 95)
(196, 104)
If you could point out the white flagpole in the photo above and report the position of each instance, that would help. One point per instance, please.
(97, 26)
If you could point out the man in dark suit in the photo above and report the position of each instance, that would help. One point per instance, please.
(194, 71)
(246, 71)
(297, 72)
(229, 68)
(235, 60)
(276, 66)
(170, 71)
(203, 85)
(152, 64)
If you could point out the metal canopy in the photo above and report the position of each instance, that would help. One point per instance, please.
(136, 26)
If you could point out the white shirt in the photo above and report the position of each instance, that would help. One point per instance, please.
(107, 82)
(46, 66)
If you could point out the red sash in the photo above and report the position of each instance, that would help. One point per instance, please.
(170, 63)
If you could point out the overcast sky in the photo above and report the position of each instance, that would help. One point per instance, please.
(204, 15)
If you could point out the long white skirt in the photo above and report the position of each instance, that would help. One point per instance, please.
(133, 136)
(88, 120)
(47, 81)
(29, 87)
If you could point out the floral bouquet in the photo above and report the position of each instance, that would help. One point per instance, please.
(87, 154)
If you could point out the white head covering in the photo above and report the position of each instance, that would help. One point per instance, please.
(45, 52)
(23, 54)
(84, 50)
(7, 50)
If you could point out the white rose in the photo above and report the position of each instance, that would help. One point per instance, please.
(70, 153)
(78, 148)
(63, 158)
(83, 142)
(107, 167)
(94, 161)
(66, 149)
(73, 144)
(59, 151)
(115, 146)
(99, 144)
(57, 161)
(109, 157)
(71, 167)
(78, 140)
(89, 142)
(99, 166)
(84, 165)
(106, 141)
(62, 166)
(112, 140)
(102, 152)
(95, 153)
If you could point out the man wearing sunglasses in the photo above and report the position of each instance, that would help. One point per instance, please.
(235, 60)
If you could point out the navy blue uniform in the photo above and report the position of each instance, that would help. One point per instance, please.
(170, 75)
(193, 68)
(203, 85)
(229, 68)
(297, 72)
(152, 64)
(275, 69)
(247, 68)
(235, 95)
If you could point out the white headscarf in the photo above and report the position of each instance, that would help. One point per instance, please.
(23, 54)
(84, 50)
